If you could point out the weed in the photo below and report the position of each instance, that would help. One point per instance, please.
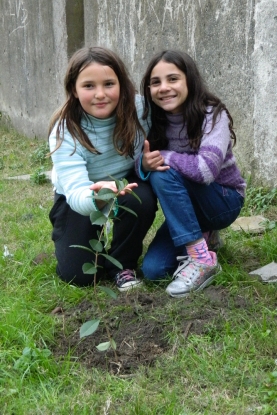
(38, 176)
(39, 156)
(271, 388)
(31, 360)
(258, 200)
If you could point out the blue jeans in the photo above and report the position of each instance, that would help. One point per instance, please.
(190, 209)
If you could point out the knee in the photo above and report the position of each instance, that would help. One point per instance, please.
(156, 177)
(160, 178)
(151, 270)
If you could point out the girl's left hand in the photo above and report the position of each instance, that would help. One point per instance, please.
(112, 186)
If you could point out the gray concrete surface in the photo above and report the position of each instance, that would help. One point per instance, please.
(268, 273)
(233, 41)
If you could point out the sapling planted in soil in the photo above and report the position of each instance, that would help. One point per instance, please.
(97, 248)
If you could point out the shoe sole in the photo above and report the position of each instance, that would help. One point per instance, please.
(204, 285)
(130, 287)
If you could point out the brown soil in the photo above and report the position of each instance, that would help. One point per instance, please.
(141, 323)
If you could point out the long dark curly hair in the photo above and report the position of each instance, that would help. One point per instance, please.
(194, 108)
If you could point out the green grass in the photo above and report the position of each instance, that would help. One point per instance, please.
(227, 369)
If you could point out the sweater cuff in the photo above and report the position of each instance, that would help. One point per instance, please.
(166, 155)
(143, 175)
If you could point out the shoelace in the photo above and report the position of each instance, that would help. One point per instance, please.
(190, 271)
(125, 275)
(184, 262)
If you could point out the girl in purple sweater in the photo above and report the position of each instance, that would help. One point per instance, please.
(189, 162)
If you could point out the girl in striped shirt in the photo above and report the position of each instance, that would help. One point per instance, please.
(96, 134)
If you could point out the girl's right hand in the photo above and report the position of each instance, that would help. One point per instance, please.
(112, 186)
(152, 160)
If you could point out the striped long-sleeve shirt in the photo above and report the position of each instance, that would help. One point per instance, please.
(72, 175)
(213, 161)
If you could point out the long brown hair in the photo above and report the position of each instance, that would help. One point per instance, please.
(71, 113)
(194, 108)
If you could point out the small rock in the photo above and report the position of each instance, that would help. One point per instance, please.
(250, 224)
(268, 273)
(57, 310)
(41, 258)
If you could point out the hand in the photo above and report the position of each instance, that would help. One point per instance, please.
(112, 186)
(152, 160)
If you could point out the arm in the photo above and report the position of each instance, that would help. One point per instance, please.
(70, 174)
(204, 165)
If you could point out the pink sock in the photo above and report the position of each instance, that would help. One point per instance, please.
(200, 253)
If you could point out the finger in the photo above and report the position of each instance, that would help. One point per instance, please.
(162, 168)
(146, 147)
(95, 187)
(131, 185)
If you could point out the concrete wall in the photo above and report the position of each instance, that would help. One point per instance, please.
(33, 57)
(233, 41)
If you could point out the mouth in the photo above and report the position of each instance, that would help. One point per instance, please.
(168, 98)
(100, 104)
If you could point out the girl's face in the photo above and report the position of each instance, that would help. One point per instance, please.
(98, 90)
(168, 87)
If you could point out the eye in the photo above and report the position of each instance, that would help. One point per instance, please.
(173, 79)
(109, 84)
(154, 82)
(88, 86)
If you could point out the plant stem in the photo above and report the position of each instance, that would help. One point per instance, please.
(95, 284)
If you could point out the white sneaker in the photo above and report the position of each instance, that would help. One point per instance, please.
(191, 276)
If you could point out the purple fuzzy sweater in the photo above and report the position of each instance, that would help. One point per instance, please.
(213, 161)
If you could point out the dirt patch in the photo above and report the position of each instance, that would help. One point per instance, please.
(141, 324)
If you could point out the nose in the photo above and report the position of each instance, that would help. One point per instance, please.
(99, 93)
(164, 86)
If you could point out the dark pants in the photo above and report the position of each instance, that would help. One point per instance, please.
(71, 228)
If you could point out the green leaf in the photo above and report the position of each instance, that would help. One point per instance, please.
(103, 346)
(121, 185)
(82, 247)
(117, 183)
(113, 344)
(128, 210)
(26, 351)
(89, 268)
(108, 291)
(104, 194)
(97, 218)
(112, 260)
(89, 327)
(96, 245)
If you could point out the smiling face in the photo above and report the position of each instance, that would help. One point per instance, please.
(98, 90)
(168, 87)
